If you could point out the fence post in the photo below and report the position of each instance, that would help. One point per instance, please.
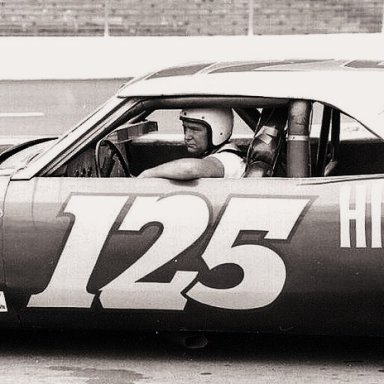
(107, 4)
(250, 17)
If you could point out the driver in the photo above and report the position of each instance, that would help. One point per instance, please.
(206, 134)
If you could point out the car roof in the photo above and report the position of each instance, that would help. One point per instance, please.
(268, 65)
(356, 87)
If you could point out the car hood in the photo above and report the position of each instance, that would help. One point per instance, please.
(18, 156)
(7, 172)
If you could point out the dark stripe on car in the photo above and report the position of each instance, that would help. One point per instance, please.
(180, 71)
(366, 64)
(257, 65)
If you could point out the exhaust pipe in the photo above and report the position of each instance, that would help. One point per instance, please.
(189, 340)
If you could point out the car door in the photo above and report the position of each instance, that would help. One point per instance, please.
(162, 247)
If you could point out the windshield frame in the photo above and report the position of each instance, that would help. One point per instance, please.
(73, 139)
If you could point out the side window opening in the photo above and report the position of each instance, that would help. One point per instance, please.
(341, 146)
(338, 145)
(157, 137)
(167, 144)
(143, 142)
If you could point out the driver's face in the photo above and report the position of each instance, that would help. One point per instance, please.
(195, 137)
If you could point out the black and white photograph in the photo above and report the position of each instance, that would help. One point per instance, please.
(191, 191)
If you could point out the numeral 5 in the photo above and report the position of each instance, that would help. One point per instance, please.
(264, 270)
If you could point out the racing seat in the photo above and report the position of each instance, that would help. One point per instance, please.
(267, 144)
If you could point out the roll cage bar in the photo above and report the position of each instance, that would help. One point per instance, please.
(328, 151)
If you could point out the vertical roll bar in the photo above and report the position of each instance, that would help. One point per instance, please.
(298, 146)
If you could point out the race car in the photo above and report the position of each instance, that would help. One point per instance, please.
(294, 246)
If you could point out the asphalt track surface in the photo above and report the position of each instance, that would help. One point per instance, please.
(57, 357)
(68, 357)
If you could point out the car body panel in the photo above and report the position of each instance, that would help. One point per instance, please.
(8, 314)
(4, 181)
(273, 254)
(312, 271)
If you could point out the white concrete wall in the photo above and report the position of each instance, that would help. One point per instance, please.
(115, 57)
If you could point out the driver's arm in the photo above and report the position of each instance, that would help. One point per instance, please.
(187, 169)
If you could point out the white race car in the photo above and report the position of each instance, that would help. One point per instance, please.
(293, 246)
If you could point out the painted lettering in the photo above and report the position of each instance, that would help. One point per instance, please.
(184, 219)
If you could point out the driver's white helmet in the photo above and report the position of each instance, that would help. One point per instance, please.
(218, 120)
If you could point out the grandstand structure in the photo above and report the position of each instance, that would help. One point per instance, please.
(187, 18)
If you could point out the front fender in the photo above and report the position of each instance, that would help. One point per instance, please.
(4, 182)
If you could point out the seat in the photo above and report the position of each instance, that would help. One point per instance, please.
(268, 142)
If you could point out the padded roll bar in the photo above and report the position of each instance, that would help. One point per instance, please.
(298, 145)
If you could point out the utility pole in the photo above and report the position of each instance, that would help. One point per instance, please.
(250, 17)
(107, 4)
